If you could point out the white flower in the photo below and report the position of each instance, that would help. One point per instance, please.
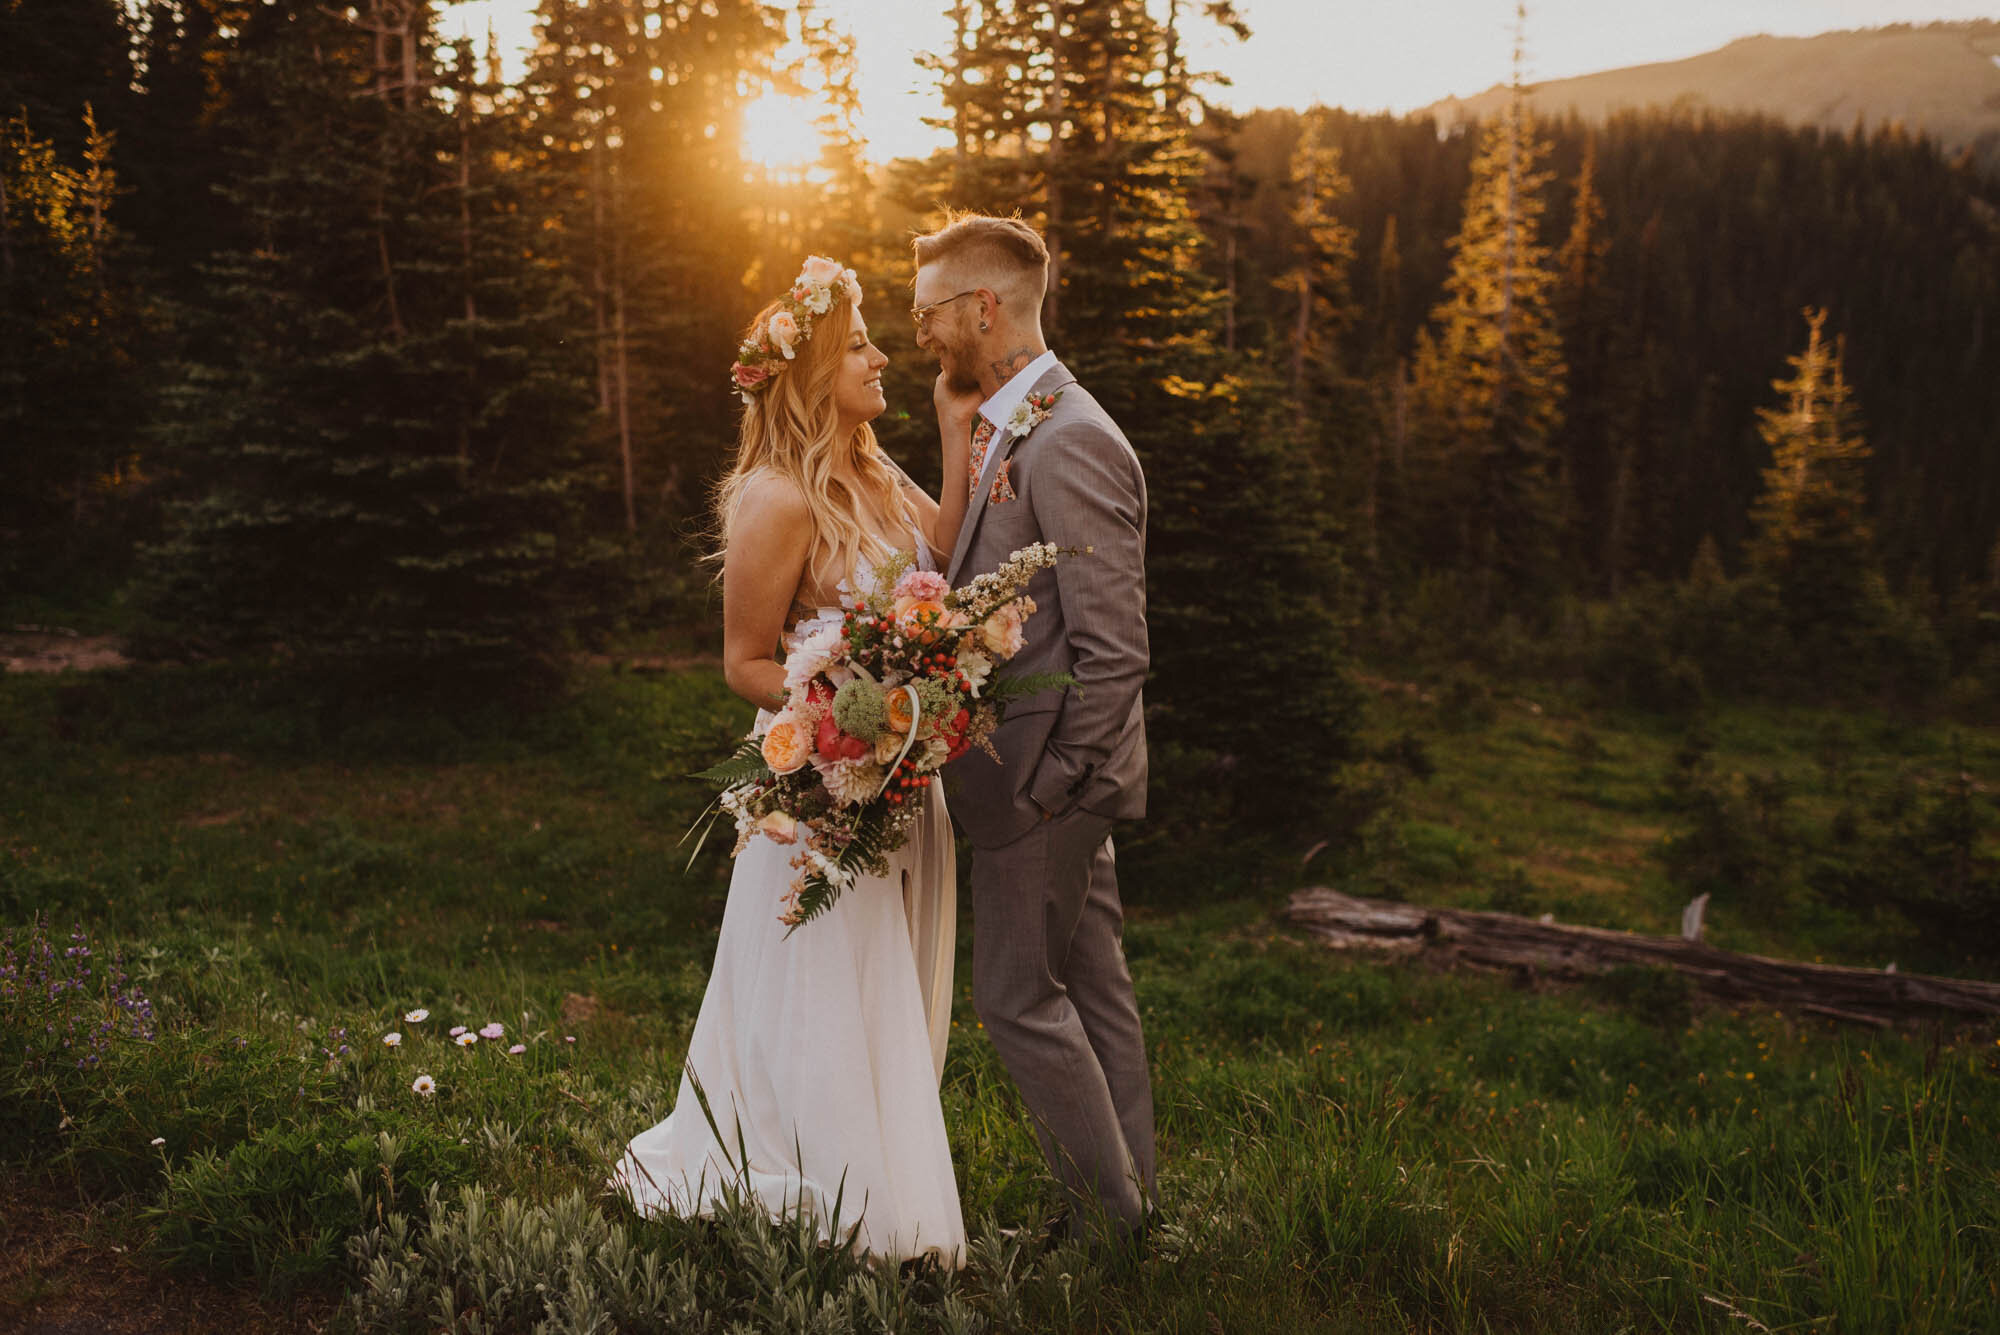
(820, 300)
(457, 1029)
(784, 332)
(392, 1040)
(159, 1140)
(467, 1040)
(493, 1029)
(811, 656)
(850, 781)
(423, 1085)
(417, 1016)
(517, 1049)
(975, 667)
(1022, 420)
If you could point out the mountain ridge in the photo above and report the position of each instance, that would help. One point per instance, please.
(1940, 80)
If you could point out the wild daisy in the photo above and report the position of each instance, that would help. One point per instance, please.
(392, 1040)
(417, 1016)
(467, 1040)
(424, 1085)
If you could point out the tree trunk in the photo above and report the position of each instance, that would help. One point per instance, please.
(380, 30)
(6, 237)
(960, 128)
(1053, 214)
(465, 89)
(619, 342)
(599, 287)
(1229, 284)
(1302, 321)
(1528, 947)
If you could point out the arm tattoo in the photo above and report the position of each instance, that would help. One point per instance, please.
(1006, 367)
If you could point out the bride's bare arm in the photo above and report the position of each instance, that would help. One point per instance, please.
(770, 541)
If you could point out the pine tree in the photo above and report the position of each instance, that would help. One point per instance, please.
(72, 374)
(1589, 457)
(1489, 377)
(1084, 105)
(376, 428)
(637, 108)
(1324, 255)
(1813, 542)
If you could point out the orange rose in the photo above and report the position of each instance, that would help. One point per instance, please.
(919, 618)
(902, 714)
(784, 745)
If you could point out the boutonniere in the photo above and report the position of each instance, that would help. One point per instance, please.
(1031, 413)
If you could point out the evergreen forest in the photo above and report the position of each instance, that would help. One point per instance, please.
(1566, 518)
(281, 283)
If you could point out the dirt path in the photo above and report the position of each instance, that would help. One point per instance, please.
(53, 649)
(70, 1266)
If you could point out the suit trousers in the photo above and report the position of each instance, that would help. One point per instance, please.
(1050, 984)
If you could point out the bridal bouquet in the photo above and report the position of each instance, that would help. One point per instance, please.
(877, 699)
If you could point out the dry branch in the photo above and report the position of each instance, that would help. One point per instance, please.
(1504, 941)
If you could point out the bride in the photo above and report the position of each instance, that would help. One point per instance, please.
(817, 1056)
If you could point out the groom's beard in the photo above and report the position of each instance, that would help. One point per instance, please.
(960, 367)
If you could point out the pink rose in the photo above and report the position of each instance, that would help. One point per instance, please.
(922, 586)
(1001, 632)
(749, 377)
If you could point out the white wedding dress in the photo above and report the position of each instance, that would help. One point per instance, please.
(820, 1053)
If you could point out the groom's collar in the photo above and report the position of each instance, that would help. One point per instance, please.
(1008, 397)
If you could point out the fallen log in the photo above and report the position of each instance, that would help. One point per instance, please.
(1505, 941)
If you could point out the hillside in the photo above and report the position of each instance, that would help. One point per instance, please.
(1942, 80)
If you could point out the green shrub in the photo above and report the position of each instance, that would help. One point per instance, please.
(279, 1207)
(470, 1261)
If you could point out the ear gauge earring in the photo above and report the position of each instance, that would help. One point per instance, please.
(984, 327)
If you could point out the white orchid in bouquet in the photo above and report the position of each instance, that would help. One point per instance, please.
(875, 703)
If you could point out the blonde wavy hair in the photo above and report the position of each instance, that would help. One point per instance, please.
(790, 427)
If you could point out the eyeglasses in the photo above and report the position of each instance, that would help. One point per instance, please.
(922, 314)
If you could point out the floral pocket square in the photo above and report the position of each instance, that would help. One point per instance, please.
(1003, 490)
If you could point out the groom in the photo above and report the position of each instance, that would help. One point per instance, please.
(1049, 465)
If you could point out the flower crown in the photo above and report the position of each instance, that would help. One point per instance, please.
(777, 340)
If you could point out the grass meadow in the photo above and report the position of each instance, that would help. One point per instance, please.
(266, 890)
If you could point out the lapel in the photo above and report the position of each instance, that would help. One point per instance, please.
(1053, 379)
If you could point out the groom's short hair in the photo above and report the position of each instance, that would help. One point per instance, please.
(1004, 254)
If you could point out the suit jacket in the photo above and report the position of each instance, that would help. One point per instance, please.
(1073, 481)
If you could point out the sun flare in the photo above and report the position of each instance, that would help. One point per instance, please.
(779, 132)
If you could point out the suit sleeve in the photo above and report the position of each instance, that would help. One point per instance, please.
(1089, 493)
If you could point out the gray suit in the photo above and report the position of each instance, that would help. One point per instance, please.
(1049, 975)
